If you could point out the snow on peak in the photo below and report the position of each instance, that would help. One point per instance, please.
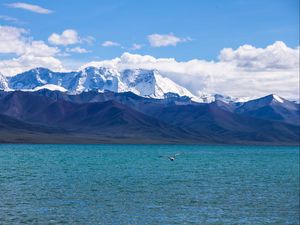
(51, 87)
(92, 78)
(277, 98)
(3, 82)
(150, 83)
(143, 82)
(165, 85)
(139, 81)
(229, 99)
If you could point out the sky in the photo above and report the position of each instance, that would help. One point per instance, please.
(236, 47)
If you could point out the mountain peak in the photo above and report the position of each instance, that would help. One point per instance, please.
(143, 82)
(272, 98)
(277, 98)
(39, 70)
(98, 70)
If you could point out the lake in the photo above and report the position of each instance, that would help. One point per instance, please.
(132, 184)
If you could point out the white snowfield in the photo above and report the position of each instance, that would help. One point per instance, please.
(51, 87)
(3, 82)
(278, 99)
(146, 83)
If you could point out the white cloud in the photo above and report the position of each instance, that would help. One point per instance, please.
(77, 50)
(239, 73)
(30, 7)
(28, 53)
(23, 63)
(136, 46)
(11, 39)
(163, 40)
(110, 44)
(276, 56)
(14, 40)
(68, 37)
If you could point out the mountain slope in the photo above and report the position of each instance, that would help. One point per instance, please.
(108, 119)
(127, 118)
(271, 107)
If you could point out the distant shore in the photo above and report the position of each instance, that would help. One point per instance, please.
(43, 138)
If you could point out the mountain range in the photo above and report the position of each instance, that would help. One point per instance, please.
(142, 82)
(101, 105)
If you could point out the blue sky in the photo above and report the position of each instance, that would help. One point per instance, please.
(234, 47)
(211, 25)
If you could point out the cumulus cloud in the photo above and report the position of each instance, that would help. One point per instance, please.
(68, 37)
(110, 44)
(77, 50)
(246, 71)
(14, 40)
(23, 63)
(30, 7)
(27, 53)
(163, 40)
(11, 39)
(275, 56)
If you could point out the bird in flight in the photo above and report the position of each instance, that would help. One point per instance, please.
(172, 157)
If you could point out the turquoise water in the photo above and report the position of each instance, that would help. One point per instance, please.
(131, 184)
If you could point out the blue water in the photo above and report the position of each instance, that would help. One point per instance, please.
(131, 184)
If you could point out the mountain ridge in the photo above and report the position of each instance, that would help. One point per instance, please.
(111, 117)
(102, 105)
(143, 82)
(146, 83)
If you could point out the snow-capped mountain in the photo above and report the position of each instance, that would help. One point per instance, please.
(269, 100)
(142, 82)
(150, 83)
(271, 106)
(146, 83)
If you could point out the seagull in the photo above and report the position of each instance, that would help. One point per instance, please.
(172, 157)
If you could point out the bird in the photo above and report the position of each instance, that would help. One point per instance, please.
(172, 157)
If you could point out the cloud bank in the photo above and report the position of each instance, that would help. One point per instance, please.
(246, 71)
